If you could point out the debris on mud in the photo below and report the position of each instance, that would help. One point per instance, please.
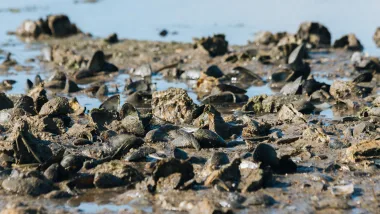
(188, 128)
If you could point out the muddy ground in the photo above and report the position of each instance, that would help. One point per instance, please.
(145, 151)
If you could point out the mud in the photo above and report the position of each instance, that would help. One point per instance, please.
(101, 131)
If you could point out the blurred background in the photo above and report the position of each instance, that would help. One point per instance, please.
(239, 19)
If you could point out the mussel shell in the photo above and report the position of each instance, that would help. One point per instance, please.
(111, 104)
(364, 77)
(97, 61)
(101, 117)
(72, 163)
(128, 109)
(266, 154)
(209, 139)
(214, 71)
(140, 153)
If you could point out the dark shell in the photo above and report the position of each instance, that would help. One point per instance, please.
(102, 117)
(54, 172)
(296, 57)
(111, 104)
(81, 142)
(72, 163)
(364, 77)
(349, 42)
(160, 134)
(97, 62)
(108, 67)
(5, 102)
(180, 154)
(82, 74)
(214, 71)
(308, 31)
(209, 139)
(311, 85)
(27, 104)
(286, 165)
(246, 75)
(183, 139)
(128, 109)
(266, 154)
(112, 39)
(71, 87)
(58, 76)
(37, 80)
(292, 88)
(139, 97)
(139, 85)
(29, 84)
(121, 144)
(225, 87)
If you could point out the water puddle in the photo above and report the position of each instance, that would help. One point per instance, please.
(102, 208)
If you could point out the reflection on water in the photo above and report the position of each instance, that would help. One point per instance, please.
(327, 113)
(104, 208)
